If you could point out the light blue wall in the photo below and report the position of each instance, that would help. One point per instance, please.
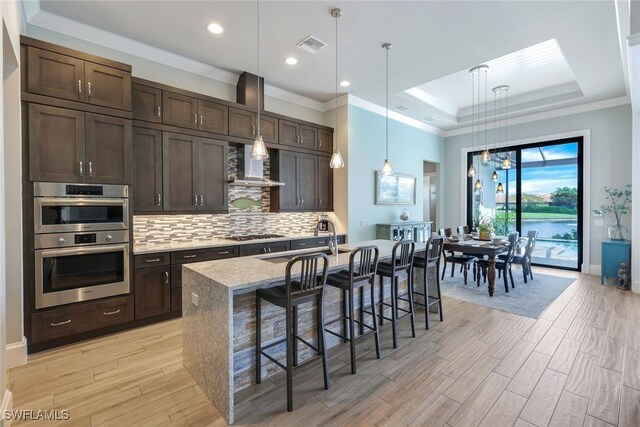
(409, 147)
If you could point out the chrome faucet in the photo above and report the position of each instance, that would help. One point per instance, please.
(333, 239)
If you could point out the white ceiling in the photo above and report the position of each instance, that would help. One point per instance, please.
(434, 43)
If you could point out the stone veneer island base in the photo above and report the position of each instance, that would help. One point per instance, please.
(218, 314)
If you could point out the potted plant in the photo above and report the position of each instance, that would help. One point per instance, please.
(485, 228)
(618, 203)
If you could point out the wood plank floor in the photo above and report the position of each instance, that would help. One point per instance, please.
(579, 364)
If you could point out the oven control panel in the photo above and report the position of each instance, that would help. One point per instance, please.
(84, 190)
(65, 240)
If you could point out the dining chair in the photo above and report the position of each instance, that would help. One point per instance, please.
(503, 265)
(454, 259)
(525, 259)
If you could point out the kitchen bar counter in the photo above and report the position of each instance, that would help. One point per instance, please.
(218, 310)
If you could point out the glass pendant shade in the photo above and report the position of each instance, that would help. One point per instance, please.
(472, 171)
(478, 185)
(506, 162)
(386, 168)
(494, 176)
(485, 157)
(337, 161)
(500, 188)
(259, 150)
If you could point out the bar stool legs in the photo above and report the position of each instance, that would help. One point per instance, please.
(395, 309)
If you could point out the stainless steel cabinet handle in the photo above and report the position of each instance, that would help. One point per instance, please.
(66, 322)
(269, 250)
(223, 253)
(110, 313)
(320, 201)
(89, 88)
(195, 119)
(201, 120)
(201, 200)
(301, 139)
(80, 87)
(166, 277)
(81, 168)
(189, 256)
(158, 199)
(302, 244)
(253, 130)
(302, 201)
(90, 169)
(263, 250)
(158, 111)
(195, 200)
(149, 260)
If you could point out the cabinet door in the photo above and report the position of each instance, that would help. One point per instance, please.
(308, 137)
(56, 144)
(56, 75)
(242, 123)
(147, 103)
(308, 182)
(289, 133)
(289, 170)
(179, 110)
(325, 184)
(213, 177)
(325, 141)
(152, 292)
(213, 117)
(269, 129)
(179, 174)
(108, 149)
(107, 86)
(147, 170)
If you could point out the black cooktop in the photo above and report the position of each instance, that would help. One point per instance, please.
(253, 237)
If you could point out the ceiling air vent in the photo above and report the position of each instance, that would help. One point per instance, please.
(402, 108)
(429, 119)
(311, 44)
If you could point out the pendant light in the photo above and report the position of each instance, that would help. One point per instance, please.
(500, 189)
(485, 157)
(386, 167)
(506, 161)
(259, 150)
(476, 74)
(501, 92)
(337, 161)
(496, 133)
(471, 172)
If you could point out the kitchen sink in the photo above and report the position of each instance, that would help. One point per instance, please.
(286, 258)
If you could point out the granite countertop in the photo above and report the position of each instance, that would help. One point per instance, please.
(149, 248)
(254, 272)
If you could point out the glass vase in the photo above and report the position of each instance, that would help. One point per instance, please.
(618, 232)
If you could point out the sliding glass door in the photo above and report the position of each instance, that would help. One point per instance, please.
(542, 191)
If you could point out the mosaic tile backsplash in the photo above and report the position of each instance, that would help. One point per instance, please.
(248, 214)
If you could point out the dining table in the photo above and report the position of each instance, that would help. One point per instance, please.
(479, 248)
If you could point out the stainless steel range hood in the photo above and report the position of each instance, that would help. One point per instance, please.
(251, 171)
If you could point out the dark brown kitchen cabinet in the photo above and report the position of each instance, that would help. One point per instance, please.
(308, 182)
(56, 144)
(325, 140)
(147, 103)
(289, 133)
(152, 291)
(179, 110)
(147, 170)
(269, 129)
(308, 137)
(299, 172)
(67, 77)
(264, 248)
(242, 123)
(108, 149)
(213, 117)
(71, 146)
(325, 184)
(194, 173)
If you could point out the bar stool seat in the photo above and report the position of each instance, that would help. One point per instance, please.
(401, 264)
(308, 288)
(350, 281)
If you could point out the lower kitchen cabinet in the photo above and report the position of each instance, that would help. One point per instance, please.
(152, 291)
(264, 248)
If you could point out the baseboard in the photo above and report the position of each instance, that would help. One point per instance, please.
(7, 405)
(17, 353)
(595, 270)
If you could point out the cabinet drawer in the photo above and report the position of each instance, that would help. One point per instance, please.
(264, 248)
(152, 260)
(62, 322)
(197, 255)
(176, 299)
(310, 243)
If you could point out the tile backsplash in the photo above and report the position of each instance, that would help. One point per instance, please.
(255, 218)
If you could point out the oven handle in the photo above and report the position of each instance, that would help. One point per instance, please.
(57, 201)
(47, 253)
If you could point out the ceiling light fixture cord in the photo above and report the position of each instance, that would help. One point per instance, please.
(337, 14)
(258, 55)
(336, 161)
(387, 105)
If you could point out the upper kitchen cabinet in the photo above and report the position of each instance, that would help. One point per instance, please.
(325, 184)
(212, 173)
(147, 170)
(300, 135)
(300, 174)
(325, 140)
(289, 133)
(242, 123)
(213, 117)
(147, 103)
(308, 137)
(72, 146)
(66, 74)
(179, 110)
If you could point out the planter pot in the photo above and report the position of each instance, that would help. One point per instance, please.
(618, 232)
(484, 235)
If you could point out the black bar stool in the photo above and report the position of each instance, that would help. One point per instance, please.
(431, 259)
(308, 287)
(350, 280)
(401, 264)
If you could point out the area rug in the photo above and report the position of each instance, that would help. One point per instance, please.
(528, 300)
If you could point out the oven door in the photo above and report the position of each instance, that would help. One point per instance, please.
(71, 275)
(61, 214)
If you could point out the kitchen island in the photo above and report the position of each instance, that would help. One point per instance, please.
(218, 310)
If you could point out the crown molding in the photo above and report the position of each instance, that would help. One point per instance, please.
(634, 39)
(550, 114)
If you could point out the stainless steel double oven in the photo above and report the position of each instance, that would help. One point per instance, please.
(81, 242)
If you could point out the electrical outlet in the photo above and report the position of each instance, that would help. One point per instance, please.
(364, 222)
(195, 299)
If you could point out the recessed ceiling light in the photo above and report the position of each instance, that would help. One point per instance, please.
(345, 83)
(215, 28)
(290, 60)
